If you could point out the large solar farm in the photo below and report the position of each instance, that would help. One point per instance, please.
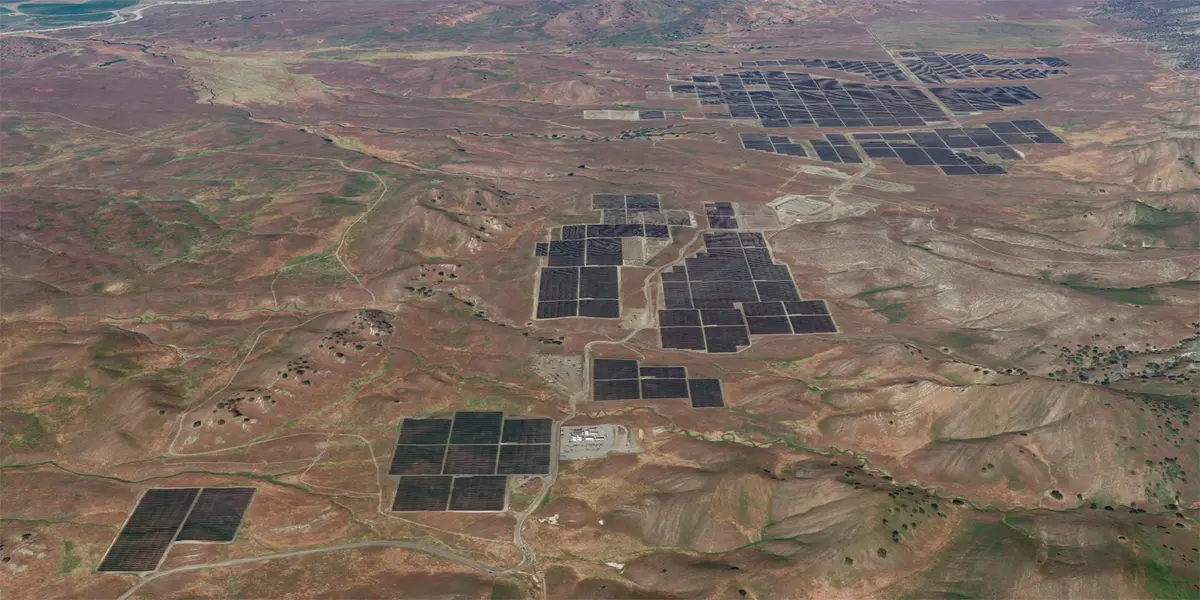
(681, 299)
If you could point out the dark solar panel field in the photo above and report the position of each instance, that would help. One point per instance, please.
(217, 515)
(151, 528)
(624, 379)
(956, 151)
(937, 67)
(793, 99)
(472, 443)
(734, 289)
(582, 276)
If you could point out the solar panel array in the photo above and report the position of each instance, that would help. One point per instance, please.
(582, 278)
(956, 151)
(936, 67)
(871, 69)
(150, 530)
(472, 443)
(439, 493)
(217, 515)
(624, 379)
(966, 100)
(716, 300)
(654, 115)
(789, 99)
(165, 515)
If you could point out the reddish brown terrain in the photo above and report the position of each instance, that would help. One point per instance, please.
(241, 241)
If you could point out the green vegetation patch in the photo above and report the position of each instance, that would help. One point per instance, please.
(70, 561)
(972, 35)
(892, 309)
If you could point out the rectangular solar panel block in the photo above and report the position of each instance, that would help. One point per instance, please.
(614, 217)
(422, 493)
(678, 318)
(768, 325)
(677, 295)
(1015, 138)
(807, 307)
(216, 516)
(722, 223)
(574, 232)
(614, 368)
(880, 152)
(541, 249)
(847, 153)
(616, 389)
(722, 316)
(417, 460)
(664, 372)
(658, 231)
(558, 283)
(599, 282)
(983, 136)
(813, 324)
(827, 153)
(943, 156)
(527, 431)
(725, 338)
(524, 459)
(682, 338)
(914, 156)
(604, 251)
(424, 431)
(477, 427)
(770, 291)
(149, 531)
(470, 460)
(722, 294)
(615, 231)
(557, 310)
(566, 253)
(706, 393)
(477, 494)
(600, 309)
(1003, 127)
(663, 389)
(722, 239)
(762, 309)
(641, 202)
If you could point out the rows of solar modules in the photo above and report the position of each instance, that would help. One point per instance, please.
(217, 515)
(624, 379)
(581, 278)
(967, 100)
(870, 69)
(439, 493)
(734, 289)
(655, 115)
(473, 443)
(956, 151)
(790, 99)
(166, 515)
(935, 67)
(720, 215)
